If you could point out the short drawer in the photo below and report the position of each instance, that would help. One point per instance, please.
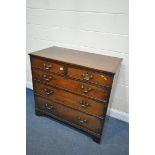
(71, 100)
(89, 122)
(47, 65)
(91, 76)
(71, 85)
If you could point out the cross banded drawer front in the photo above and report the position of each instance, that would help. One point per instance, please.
(47, 65)
(74, 87)
(91, 76)
(71, 115)
(77, 102)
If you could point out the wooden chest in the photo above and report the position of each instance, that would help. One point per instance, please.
(73, 87)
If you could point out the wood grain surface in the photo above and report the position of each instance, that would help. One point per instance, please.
(99, 62)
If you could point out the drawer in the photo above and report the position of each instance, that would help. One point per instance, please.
(47, 65)
(71, 100)
(89, 122)
(71, 85)
(91, 76)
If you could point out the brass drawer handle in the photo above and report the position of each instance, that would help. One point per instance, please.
(87, 76)
(84, 104)
(49, 107)
(47, 78)
(82, 120)
(48, 91)
(104, 77)
(85, 89)
(47, 66)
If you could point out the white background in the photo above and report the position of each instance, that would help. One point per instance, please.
(13, 73)
(97, 26)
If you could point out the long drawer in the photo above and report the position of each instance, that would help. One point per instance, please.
(71, 85)
(89, 122)
(71, 100)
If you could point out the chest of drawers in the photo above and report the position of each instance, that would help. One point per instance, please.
(74, 87)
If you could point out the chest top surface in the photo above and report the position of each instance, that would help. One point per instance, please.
(90, 60)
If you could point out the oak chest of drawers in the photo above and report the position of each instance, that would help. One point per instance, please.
(74, 86)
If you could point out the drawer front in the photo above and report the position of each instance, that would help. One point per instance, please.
(71, 85)
(69, 99)
(91, 76)
(73, 116)
(47, 65)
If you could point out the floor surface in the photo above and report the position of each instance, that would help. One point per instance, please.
(46, 136)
